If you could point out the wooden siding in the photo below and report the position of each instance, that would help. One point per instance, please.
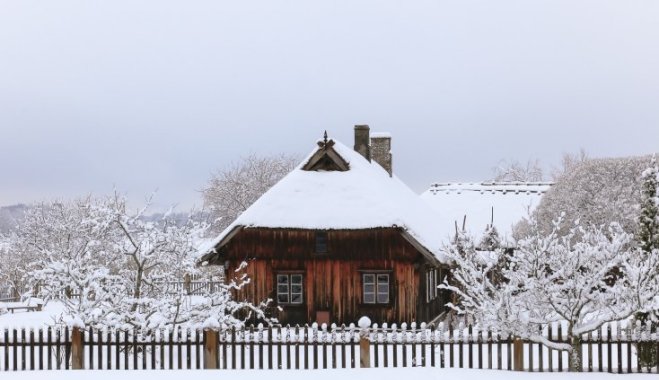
(332, 280)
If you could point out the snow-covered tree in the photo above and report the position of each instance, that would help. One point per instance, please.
(583, 278)
(10, 217)
(515, 171)
(648, 230)
(12, 268)
(491, 239)
(648, 240)
(113, 268)
(68, 244)
(595, 192)
(231, 190)
(154, 255)
(220, 309)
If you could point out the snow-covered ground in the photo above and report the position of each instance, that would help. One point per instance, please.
(32, 319)
(329, 374)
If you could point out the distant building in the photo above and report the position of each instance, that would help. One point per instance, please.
(477, 205)
(338, 238)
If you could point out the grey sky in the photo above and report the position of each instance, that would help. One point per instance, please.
(157, 94)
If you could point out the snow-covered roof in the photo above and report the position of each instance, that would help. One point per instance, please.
(363, 197)
(510, 201)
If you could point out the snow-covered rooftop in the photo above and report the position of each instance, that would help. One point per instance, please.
(510, 201)
(363, 197)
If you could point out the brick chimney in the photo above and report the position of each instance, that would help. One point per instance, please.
(362, 145)
(381, 150)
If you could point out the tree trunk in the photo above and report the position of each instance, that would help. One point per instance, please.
(575, 357)
(138, 287)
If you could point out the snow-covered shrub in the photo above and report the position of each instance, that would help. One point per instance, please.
(583, 277)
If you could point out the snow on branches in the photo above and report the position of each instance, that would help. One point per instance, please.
(584, 277)
(233, 189)
(648, 230)
(112, 267)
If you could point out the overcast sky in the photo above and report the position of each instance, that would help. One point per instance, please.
(146, 94)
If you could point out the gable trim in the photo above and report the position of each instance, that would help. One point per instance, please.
(319, 159)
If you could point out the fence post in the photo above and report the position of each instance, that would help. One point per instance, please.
(77, 350)
(36, 289)
(210, 349)
(364, 342)
(518, 354)
(187, 282)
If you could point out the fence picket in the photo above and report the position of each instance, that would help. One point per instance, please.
(314, 347)
(251, 347)
(629, 349)
(41, 341)
(560, 353)
(599, 350)
(540, 356)
(619, 349)
(324, 346)
(460, 345)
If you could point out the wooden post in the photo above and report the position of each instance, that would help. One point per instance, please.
(77, 349)
(518, 354)
(210, 349)
(17, 294)
(364, 351)
(187, 282)
(364, 342)
(35, 290)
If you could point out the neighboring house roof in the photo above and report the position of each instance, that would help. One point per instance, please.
(362, 197)
(506, 203)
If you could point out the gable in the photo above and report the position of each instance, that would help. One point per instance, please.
(326, 158)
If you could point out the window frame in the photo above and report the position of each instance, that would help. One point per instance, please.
(320, 241)
(380, 287)
(432, 281)
(289, 284)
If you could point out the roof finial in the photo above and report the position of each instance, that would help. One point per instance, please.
(325, 137)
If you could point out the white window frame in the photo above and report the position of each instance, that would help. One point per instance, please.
(285, 288)
(380, 283)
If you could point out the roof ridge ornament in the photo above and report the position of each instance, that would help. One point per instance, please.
(326, 142)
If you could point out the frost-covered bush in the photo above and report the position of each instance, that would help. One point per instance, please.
(583, 277)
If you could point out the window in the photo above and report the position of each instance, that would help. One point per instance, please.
(432, 281)
(376, 288)
(321, 241)
(289, 288)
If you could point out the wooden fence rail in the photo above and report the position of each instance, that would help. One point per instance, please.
(612, 349)
(192, 287)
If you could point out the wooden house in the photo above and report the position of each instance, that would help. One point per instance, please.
(338, 238)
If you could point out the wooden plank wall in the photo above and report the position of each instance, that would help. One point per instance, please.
(332, 280)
